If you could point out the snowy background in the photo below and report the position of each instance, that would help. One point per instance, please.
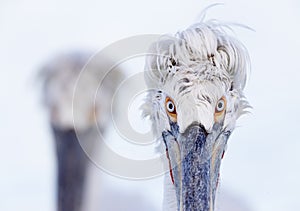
(261, 168)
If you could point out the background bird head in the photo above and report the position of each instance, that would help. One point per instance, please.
(71, 84)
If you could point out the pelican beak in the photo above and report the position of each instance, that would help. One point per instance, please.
(195, 158)
(72, 165)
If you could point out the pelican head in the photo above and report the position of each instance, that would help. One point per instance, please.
(196, 80)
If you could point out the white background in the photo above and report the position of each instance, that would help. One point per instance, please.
(261, 165)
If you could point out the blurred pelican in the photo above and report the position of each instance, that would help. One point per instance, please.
(68, 84)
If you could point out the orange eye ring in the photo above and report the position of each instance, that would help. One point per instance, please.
(220, 108)
(171, 109)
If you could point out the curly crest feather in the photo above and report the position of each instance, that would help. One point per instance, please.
(203, 53)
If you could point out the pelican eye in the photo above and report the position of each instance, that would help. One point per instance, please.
(171, 109)
(220, 105)
(220, 109)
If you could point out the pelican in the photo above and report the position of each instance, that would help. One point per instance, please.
(68, 101)
(196, 80)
